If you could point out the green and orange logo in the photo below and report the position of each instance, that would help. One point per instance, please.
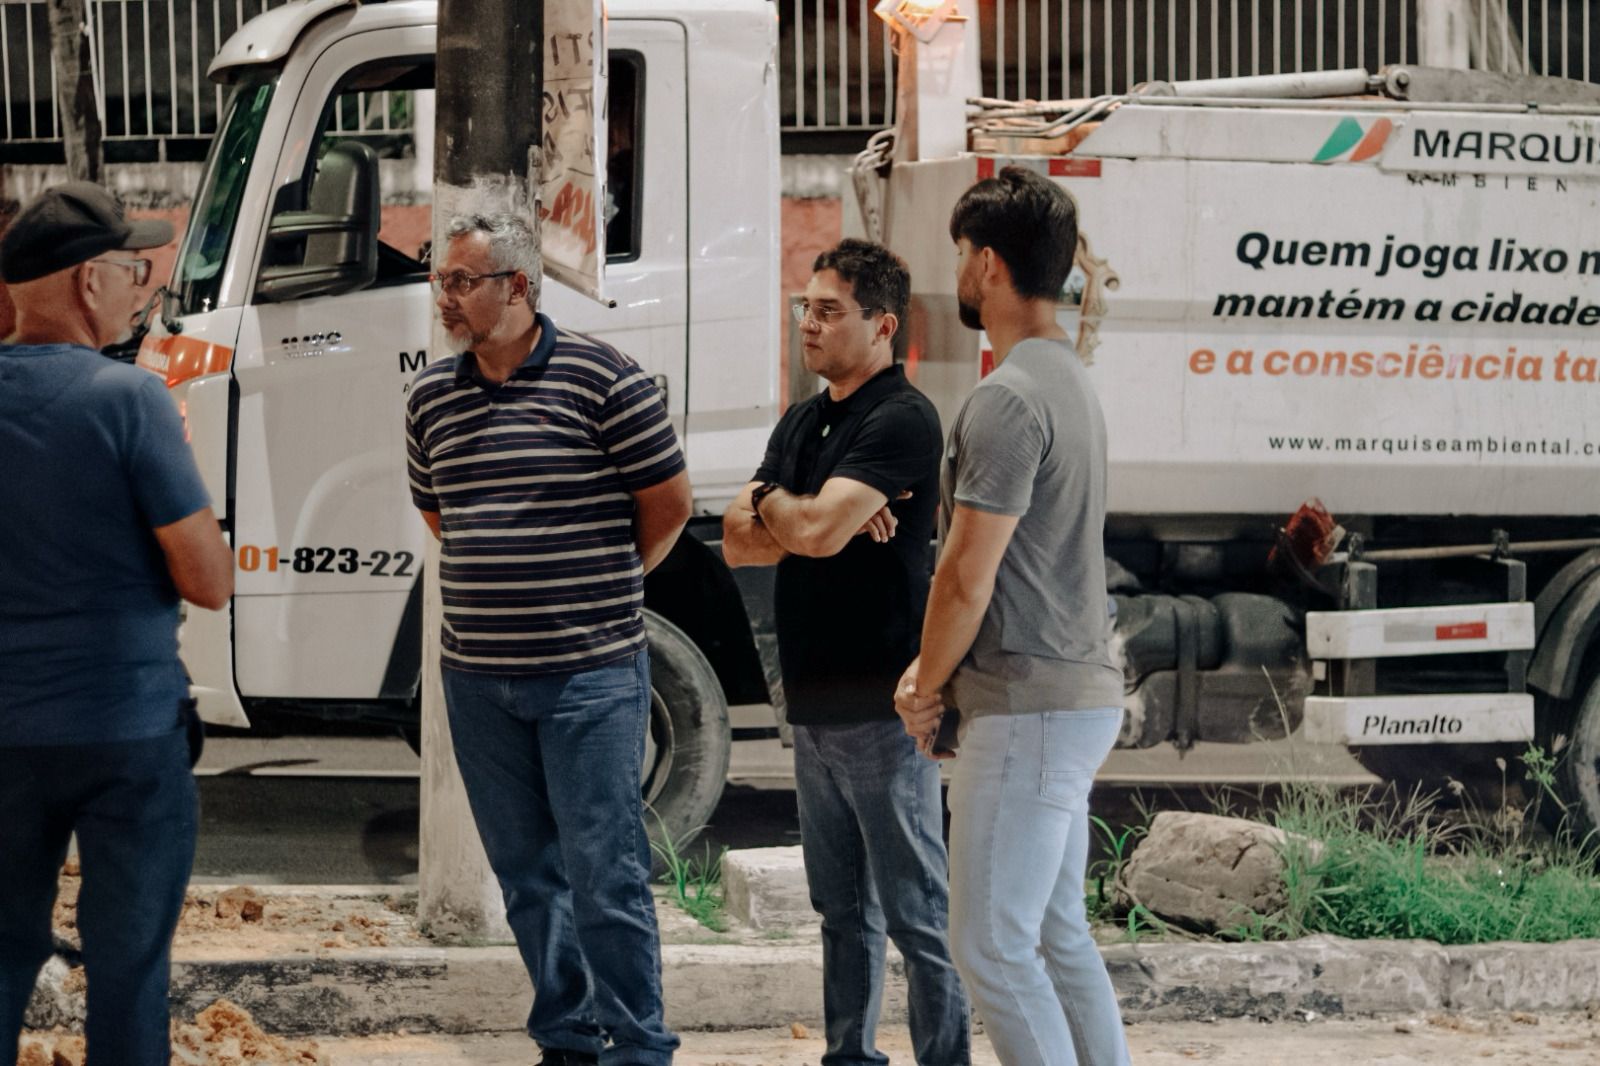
(1351, 142)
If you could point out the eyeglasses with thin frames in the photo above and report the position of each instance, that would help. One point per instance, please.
(141, 268)
(460, 283)
(824, 316)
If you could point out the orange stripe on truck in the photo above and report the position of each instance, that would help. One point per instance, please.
(178, 358)
(1373, 142)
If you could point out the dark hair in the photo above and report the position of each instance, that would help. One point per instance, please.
(1029, 221)
(876, 275)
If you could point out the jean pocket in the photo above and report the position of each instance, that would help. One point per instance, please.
(1072, 745)
(1068, 790)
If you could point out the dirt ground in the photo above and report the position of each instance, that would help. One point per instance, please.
(226, 1038)
(223, 1034)
(1557, 1040)
(222, 923)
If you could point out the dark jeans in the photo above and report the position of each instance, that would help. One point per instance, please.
(134, 807)
(872, 832)
(551, 766)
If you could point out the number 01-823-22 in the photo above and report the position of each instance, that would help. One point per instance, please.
(375, 563)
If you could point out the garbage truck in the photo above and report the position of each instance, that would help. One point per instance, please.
(1342, 327)
(1345, 329)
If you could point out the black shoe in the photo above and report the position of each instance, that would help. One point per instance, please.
(556, 1057)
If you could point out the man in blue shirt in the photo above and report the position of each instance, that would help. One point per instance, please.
(104, 524)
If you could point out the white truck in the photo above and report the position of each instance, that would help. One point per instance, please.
(1376, 291)
(290, 364)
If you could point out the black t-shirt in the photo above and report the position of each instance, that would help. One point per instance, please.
(849, 624)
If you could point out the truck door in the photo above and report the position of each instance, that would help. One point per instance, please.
(328, 600)
(329, 547)
(647, 246)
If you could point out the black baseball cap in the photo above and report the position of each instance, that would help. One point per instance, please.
(68, 225)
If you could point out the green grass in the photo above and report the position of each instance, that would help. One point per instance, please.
(1376, 864)
(695, 883)
(1103, 874)
(1379, 865)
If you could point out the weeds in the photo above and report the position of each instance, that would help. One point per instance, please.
(695, 883)
(1381, 865)
(1105, 872)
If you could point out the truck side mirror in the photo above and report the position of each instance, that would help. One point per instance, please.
(337, 235)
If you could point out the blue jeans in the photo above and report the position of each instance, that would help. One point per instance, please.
(1019, 842)
(135, 809)
(872, 831)
(551, 767)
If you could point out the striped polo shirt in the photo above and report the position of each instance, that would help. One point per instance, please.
(532, 481)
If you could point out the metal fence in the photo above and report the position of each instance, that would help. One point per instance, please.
(836, 58)
(838, 71)
(149, 58)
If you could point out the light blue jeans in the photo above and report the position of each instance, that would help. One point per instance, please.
(1019, 843)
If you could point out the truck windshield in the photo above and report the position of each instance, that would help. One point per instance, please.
(197, 282)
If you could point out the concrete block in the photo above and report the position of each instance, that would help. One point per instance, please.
(1524, 977)
(765, 888)
(58, 997)
(1326, 975)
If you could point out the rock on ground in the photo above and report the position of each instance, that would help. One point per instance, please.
(1205, 871)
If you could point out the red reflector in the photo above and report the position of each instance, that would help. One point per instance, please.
(1462, 631)
(1074, 168)
(985, 168)
(986, 363)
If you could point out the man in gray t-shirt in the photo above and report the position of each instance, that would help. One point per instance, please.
(1030, 443)
(1016, 638)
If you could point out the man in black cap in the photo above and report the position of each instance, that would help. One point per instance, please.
(104, 524)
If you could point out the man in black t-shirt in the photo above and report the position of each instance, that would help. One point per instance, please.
(843, 503)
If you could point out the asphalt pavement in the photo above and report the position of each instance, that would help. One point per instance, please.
(344, 810)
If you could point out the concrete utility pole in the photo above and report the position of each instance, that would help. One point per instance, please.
(1444, 33)
(934, 80)
(75, 96)
(488, 132)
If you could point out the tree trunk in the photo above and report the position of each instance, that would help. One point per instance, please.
(80, 121)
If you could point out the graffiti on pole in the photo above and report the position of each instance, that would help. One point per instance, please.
(572, 180)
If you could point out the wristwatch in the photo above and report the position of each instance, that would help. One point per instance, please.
(761, 492)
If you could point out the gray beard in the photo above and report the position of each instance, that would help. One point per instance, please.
(462, 340)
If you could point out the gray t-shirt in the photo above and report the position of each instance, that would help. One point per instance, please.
(1031, 441)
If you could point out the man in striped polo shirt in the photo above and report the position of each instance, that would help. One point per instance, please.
(545, 464)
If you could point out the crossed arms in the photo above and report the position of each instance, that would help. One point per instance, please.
(816, 526)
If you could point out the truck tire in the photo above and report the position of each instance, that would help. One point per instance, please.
(689, 739)
(1578, 763)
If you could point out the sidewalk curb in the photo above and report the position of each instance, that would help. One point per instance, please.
(462, 990)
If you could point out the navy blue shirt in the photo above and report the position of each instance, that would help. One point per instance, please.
(532, 480)
(94, 459)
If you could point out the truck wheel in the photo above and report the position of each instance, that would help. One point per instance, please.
(689, 739)
(1578, 763)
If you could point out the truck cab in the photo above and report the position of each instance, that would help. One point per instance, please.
(299, 312)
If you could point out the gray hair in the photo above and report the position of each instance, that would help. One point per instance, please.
(513, 245)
